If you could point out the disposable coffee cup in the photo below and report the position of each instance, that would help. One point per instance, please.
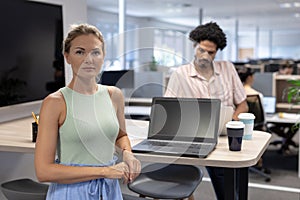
(248, 120)
(35, 127)
(235, 132)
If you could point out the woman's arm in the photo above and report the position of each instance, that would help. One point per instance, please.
(52, 115)
(118, 101)
(122, 140)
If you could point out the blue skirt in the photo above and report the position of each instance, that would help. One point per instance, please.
(98, 189)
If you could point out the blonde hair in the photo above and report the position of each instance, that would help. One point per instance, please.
(78, 30)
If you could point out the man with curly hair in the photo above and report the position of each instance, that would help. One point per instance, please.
(206, 78)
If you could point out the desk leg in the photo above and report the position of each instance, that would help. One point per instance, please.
(236, 183)
(243, 180)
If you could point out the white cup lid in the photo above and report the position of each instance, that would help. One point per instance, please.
(246, 116)
(235, 124)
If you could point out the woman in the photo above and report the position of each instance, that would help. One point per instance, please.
(246, 75)
(82, 124)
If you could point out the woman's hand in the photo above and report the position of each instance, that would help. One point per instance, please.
(133, 164)
(119, 171)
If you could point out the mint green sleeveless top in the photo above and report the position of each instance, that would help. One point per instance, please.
(90, 129)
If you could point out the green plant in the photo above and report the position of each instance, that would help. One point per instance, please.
(153, 64)
(293, 96)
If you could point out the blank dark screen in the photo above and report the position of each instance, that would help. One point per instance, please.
(184, 119)
(120, 78)
(31, 38)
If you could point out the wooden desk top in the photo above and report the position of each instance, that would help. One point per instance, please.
(251, 151)
(15, 136)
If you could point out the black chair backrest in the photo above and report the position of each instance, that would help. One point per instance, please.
(256, 107)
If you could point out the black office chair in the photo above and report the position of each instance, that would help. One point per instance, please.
(24, 189)
(286, 131)
(167, 181)
(130, 197)
(255, 107)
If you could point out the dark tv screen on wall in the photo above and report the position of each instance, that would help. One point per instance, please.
(32, 64)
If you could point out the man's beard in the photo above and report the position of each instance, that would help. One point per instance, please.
(203, 63)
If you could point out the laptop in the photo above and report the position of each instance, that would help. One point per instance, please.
(269, 105)
(182, 127)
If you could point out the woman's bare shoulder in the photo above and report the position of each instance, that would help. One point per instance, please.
(55, 98)
(114, 92)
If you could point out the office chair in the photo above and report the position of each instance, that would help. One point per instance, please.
(27, 189)
(24, 189)
(130, 197)
(167, 181)
(286, 131)
(255, 107)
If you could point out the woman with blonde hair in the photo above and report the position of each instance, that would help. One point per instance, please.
(81, 126)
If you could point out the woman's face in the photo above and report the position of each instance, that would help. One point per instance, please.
(85, 56)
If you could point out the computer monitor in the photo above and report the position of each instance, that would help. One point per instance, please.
(118, 78)
(263, 82)
(271, 67)
(269, 104)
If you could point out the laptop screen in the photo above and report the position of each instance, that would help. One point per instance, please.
(184, 119)
(269, 104)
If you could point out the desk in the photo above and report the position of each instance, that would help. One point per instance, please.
(15, 136)
(234, 162)
(290, 118)
(287, 119)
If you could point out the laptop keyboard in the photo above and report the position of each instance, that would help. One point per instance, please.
(175, 148)
(177, 144)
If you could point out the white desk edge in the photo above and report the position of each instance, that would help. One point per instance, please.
(15, 136)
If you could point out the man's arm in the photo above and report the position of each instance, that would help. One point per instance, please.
(240, 108)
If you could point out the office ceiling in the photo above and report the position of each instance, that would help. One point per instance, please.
(249, 14)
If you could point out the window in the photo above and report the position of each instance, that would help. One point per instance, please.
(169, 47)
